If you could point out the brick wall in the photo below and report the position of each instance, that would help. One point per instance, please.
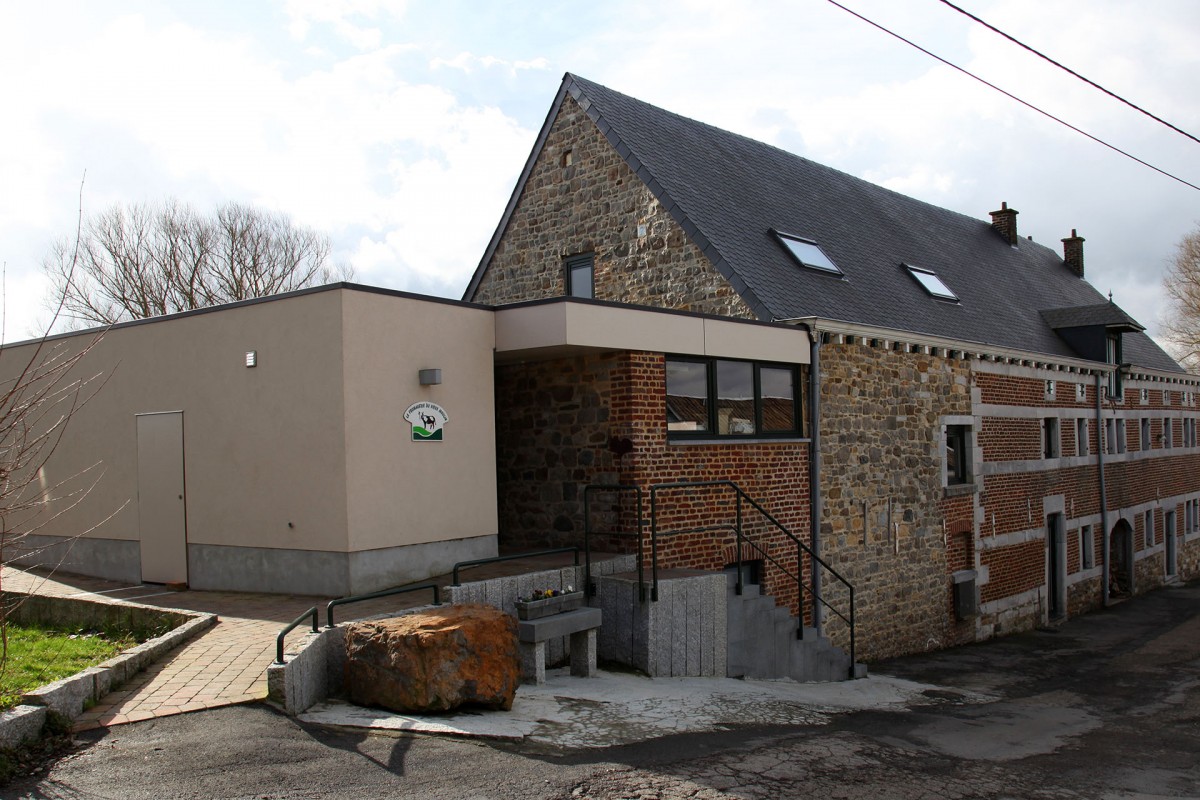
(597, 204)
(557, 421)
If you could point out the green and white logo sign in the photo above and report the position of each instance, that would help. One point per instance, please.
(427, 420)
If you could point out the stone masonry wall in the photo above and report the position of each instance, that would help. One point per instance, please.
(596, 204)
(888, 525)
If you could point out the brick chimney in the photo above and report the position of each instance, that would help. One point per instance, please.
(1005, 223)
(1073, 252)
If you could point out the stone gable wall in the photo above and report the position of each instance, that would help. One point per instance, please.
(597, 204)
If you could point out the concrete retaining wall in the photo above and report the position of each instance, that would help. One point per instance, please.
(313, 667)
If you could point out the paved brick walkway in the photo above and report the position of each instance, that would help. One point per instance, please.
(226, 664)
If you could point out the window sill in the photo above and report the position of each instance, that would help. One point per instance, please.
(961, 489)
(755, 440)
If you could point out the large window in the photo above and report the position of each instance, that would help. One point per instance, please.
(721, 397)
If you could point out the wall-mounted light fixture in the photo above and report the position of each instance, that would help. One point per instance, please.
(251, 358)
(430, 377)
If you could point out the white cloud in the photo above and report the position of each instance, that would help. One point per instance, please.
(470, 63)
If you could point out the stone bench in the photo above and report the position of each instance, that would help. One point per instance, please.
(580, 625)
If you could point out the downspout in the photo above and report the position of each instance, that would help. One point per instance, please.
(1104, 542)
(814, 468)
(815, 505)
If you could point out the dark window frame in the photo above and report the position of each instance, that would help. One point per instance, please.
(1051, 438)
(784, 238)
(712, 401)
(958, 440)
(577, 264)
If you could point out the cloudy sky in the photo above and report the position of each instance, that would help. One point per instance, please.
(399, 128)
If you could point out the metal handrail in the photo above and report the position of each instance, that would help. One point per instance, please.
(516, 556)
(741, 536)
(345, 601)
(312, 612)
(589, 588)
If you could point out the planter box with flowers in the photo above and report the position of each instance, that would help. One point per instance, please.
(545, 602)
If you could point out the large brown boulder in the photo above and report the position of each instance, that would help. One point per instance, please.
(434, 660)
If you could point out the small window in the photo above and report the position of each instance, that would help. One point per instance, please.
(1050, 441)
(1087, 545)
(1144, 396)
(1081, 436)
(1189, 432)
(1050, 390)
(1080, 392)
(1121, 438)
(807, 253)
(958, 454)
(1149, 529)
(1145, 443)
(1168, 434)
(932, 283)
(1112, 354)
(580, 275)
(1110, 436)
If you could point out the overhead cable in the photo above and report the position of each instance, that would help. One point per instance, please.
(1067, 69)
(1012, 96)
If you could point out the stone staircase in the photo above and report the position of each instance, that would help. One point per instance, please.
(762, 642)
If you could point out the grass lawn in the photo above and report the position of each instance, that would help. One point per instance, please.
(37, 656)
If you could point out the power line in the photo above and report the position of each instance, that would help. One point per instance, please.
(1067, 69)
(1012, 96)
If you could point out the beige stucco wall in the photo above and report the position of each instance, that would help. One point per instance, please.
(263, 447)
(403, 492)
(567, 327)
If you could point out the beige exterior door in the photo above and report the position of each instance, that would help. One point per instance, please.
(162, 518)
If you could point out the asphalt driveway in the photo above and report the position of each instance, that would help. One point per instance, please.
(1108, 706)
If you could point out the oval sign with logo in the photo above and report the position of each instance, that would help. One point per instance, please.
(428, 420)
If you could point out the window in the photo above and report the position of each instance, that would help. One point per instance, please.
(1050, 389)
(1050, 442)
(958, 454)
(1145, 442)
(1168, 433)
(1081, 436)
(1144, 396)
(1191, 516)
(930, 281)
(807, 253)
(580, 275)
(1112, 354)
(1149, 529)
(1110, 436)
(723, 397)
(1189, 432)
(1121, 441)
(1080, 392)
(1087, 545)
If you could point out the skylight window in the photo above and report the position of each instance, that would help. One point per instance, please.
(932, 283)
(807, 253)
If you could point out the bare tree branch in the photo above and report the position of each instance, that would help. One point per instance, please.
(144, 261)
(1182, 282)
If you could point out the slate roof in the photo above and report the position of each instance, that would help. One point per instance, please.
(728, 192)
(1108, 315)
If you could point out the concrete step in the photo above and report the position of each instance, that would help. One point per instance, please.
(762, 642)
